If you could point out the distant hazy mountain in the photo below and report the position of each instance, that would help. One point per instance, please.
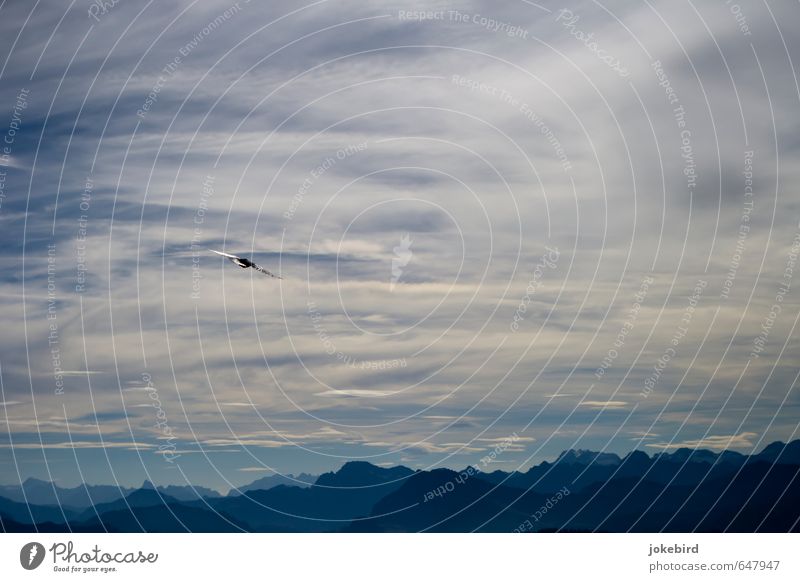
(679, 491)
(329, 505)
(270, 481)
(182, 492)
(582, 457)
(40, 492)
(145, 497)
(684, 455)
(362, 474)
(45, 493)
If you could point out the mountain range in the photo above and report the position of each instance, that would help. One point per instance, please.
(680, 491)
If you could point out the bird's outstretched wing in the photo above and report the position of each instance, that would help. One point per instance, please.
(224, 254)
(246, 263)
(265, 271)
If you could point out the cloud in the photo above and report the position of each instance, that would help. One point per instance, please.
(463, 132)
(603, 404)
(81, 445)
(355, 393)
(424, 447)
(265, 443)
(639, 435)
(742, 440)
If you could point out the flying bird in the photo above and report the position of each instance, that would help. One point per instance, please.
(245, 263)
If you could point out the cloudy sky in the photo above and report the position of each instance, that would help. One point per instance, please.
(510, 227)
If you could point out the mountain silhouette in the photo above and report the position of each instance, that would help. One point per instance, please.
(682, 490)
(270, 481)
(335, 499)
(41, 492)
(362, 474)
(785, 454)
(583, 457)
(182, 492)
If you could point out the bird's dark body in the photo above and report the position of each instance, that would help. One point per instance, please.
(246, 263)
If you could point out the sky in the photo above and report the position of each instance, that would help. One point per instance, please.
(504, 230)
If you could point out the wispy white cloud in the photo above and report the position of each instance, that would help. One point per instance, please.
(82, 445)
(355, 393)
(475, 182)
(718, 442)
(604, 403)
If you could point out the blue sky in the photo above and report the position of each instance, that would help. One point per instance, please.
(471, 208)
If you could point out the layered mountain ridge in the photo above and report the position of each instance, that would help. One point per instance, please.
(682, 490)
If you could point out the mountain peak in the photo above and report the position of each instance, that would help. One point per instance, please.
(684, 455)
(362, 474)
(637, 457)
(587, 457)
(272, 480)
(34, 481)
(784, 453)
